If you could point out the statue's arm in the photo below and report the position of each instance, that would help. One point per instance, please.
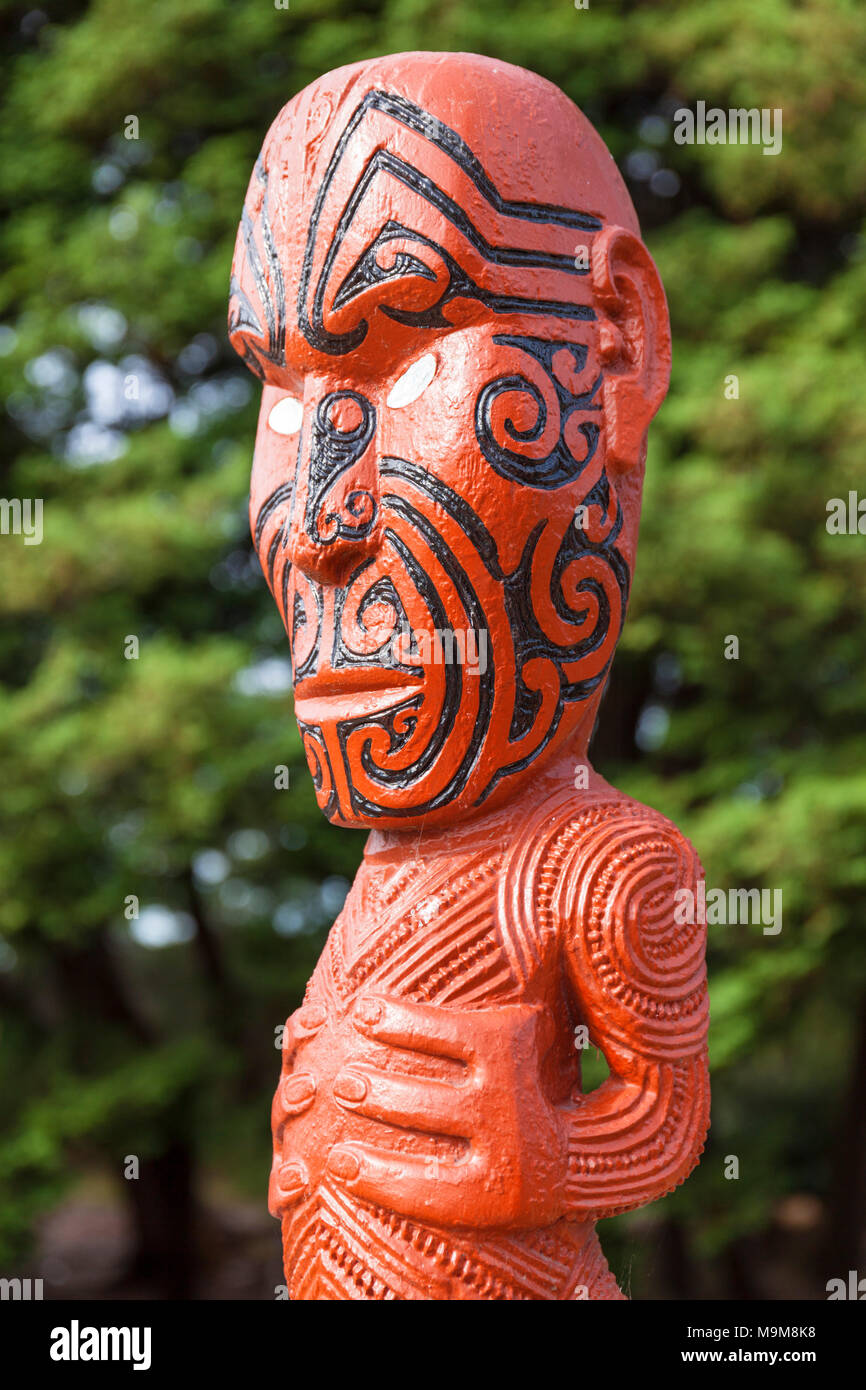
(638, 978)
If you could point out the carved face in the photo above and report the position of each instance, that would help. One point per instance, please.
(431, 499)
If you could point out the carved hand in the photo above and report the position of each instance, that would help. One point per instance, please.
(289, 1181)
(513, 1173)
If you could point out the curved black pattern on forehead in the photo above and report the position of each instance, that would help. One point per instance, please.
(438, 133)
(268, 318)
(242, 314)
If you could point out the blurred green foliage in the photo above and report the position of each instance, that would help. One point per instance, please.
(154, 776)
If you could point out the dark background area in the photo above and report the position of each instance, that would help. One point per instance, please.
(151, 778)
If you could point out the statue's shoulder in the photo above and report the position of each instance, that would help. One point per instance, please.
(588, 852)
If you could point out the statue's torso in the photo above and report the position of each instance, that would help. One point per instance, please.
(466, 929)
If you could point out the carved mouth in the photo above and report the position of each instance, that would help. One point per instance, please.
(361, 690)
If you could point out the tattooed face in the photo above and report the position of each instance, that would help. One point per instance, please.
(432, 499)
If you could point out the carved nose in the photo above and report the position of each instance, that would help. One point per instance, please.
(338, 523)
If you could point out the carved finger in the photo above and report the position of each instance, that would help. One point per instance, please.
(421, 1103)
(308, 1019)
(297, 1093)
(412, 1184)
(304, 1023)
(289, 1182)
(419, 1027)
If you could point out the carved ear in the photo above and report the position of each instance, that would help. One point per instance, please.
(635, 340)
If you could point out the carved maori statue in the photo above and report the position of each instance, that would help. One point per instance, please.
(440, 280)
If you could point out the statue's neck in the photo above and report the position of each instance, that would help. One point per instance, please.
(494, 827)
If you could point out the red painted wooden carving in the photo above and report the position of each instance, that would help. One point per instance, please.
(440, 279)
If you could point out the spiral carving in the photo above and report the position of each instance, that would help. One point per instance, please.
(648, 973)
(529, 423)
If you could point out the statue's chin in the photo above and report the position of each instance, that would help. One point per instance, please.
(437, 797)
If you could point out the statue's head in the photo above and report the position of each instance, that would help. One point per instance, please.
(440, 280)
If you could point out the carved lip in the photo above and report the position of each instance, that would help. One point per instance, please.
(354, 690)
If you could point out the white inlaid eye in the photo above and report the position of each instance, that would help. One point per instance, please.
(286, 415)
(414, 380)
